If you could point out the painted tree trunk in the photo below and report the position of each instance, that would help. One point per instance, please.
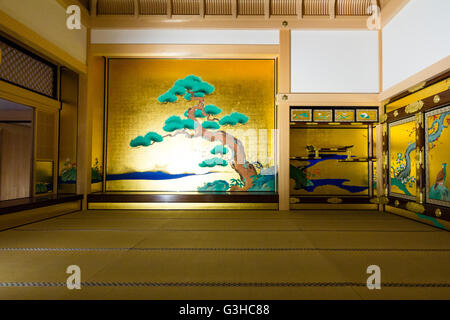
(240, 164)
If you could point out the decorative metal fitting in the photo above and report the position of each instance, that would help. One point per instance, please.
(436, 99)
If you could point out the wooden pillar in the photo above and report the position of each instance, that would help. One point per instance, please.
(283, 118)
(381, 139)
(84, 152)
(380, 160)
(383, 161)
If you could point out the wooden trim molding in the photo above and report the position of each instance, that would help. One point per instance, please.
(426, 74)
(329, 199)
(283, 118)
(330, 99)
(217, 197)
(184, 51)
(27, 216)
(10, 206)
(28, 98)
(228, 22)
(432, 86)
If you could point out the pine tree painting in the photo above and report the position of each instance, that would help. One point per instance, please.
(205, 121)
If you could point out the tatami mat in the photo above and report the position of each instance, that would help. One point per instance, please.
(225, 255)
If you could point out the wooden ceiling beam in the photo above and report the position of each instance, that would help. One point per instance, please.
(299, 8)
(229, 22)
(332, 8)
(93, 8)
(266, 9)
(136, 8)
(234, 8)
(169, 9)
(201, 8)
(390, 9)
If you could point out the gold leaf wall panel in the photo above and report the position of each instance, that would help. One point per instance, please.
(134, 85)
(45, 142)
(438, 155)
(328, 176)
(402, 158)
(244, 7)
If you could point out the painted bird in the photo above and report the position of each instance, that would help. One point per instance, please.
(440, 178)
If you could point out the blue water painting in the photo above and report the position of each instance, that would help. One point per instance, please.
(334, 182)
(149, 175)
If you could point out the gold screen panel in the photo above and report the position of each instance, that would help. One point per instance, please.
(327, 175)
(180, 163)
(44, 177)
(402, 158)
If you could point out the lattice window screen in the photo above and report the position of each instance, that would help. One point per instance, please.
(24, 69)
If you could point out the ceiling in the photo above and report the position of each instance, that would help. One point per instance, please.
(232, 7)
(85, 3)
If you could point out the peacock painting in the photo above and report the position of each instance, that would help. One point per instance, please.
(438, 140)
(439, 190)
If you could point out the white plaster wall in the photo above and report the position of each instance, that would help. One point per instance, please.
(48, 18)
(417, 37)
(330, 61)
